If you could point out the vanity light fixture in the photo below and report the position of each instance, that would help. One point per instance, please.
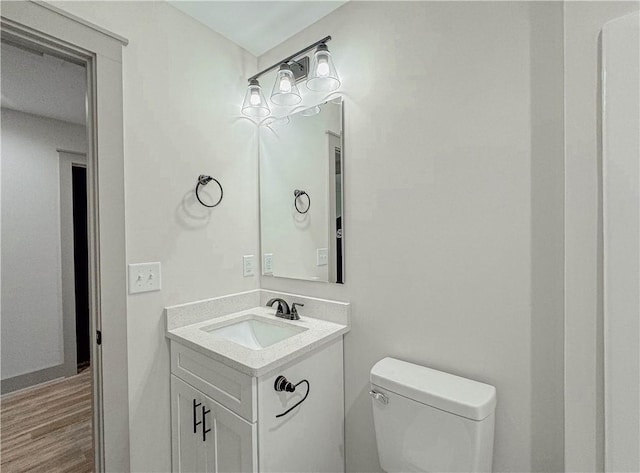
(255, 105)
(322, 76)
(285, 91)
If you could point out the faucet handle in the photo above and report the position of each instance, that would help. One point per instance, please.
(294, 310)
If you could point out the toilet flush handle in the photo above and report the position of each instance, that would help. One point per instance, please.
(379, 397)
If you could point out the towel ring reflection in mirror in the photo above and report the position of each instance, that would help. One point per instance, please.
(203, 180)
(298, 194)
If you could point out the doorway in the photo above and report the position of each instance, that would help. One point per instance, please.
(43, 28)
(81, 266)
(75, 263)
(47, 402)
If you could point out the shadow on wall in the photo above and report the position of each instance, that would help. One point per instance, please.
(191, 214)
(301, 221)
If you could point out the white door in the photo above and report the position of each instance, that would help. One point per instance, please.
(187, 453)
(621, 208)
(310, 438)
(229, 442)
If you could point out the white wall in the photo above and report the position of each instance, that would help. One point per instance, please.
(296, 156)
(182, 88)
(583, 22)
(32, 335)
(547, 237)
(443, 193)
(450, 172)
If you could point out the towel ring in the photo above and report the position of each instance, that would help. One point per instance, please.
(298, 193)
(203, 180)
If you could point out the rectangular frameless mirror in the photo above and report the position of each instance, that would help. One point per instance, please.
(301, 194)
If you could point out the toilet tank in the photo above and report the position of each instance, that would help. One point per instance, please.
(430, 421)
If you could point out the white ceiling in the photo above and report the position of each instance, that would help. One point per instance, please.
(42, 85)
(257, 26)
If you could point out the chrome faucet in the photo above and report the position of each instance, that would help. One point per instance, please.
(283, 310)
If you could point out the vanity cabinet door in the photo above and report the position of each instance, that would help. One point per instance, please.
(186, 417)
(310, 438)
(231, 444)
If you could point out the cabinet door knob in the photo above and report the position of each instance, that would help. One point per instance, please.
(195, 415)
(205, 431)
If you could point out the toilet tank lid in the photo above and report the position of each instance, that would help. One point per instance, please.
(460, 396)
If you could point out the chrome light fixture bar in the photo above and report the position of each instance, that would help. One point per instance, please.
(321, 76)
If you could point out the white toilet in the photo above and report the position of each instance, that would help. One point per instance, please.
(430, 421)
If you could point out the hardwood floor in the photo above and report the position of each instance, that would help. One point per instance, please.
(48, 428)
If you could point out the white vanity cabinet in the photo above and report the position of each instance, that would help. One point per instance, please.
(240, 410)
(207, 437)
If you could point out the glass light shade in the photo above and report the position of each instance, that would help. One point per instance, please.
(278, 122)
(323, 76)
(255, 105)
(309, 112)
(285, 91)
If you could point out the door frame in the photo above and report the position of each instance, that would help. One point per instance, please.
(43, 27)
(334, 141)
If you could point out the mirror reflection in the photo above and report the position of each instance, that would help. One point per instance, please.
(301, 195)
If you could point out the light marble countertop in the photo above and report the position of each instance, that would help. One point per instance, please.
(257, 362)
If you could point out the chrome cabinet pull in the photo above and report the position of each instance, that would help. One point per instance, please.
(379, 397)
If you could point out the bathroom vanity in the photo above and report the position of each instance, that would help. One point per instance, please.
(226, 412)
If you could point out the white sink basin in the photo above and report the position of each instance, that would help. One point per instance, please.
(254, 332)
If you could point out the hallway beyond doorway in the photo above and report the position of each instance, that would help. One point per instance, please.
(48, 427)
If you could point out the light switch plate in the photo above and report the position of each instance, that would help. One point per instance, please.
(248, 265)
(144, 277)
(267, 264)
(322, 257)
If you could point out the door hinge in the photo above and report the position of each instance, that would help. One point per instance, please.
(98, 337)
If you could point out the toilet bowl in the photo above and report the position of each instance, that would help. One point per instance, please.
(430, 421)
